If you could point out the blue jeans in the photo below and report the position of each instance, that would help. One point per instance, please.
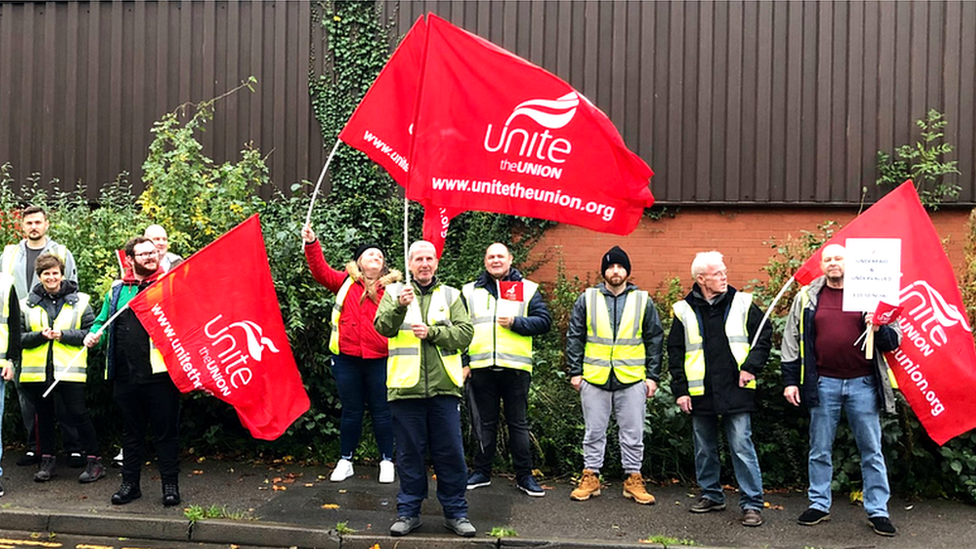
(745, 462)
(858, 398)
(430, 423)
(362, 382)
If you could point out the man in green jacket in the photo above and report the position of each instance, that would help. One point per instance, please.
(428, 327)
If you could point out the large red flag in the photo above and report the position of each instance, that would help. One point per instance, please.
(381, 125)
(215, 318)
(496, 133)
(935, 366)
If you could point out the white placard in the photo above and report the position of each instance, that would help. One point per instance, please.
(872, 273)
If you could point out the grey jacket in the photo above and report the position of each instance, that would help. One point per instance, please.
(803, 374)
(23, 286)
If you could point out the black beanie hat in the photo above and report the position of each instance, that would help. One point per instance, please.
(615, 255)
(363, 247)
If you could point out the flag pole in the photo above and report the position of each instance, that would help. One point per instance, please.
(308, 218)
(769, 310)
(75, 358)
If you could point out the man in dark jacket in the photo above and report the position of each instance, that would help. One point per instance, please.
(613, 350)
(498, 364)
(142, 387)
(713, 373)
(9, 339)
(824, 370)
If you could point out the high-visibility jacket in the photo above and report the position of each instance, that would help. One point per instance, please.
(34, 360)
(735, 331)
(493, 345)
(337, 312)
(622, 352)
(6, 288)
(404, 363)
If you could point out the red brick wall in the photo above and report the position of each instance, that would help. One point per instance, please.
(664, 248)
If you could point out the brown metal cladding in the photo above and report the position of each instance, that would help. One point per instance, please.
(750, 103)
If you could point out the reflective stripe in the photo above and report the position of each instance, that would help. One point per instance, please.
(336, 313)
(406, 326)
(405, 358)
(491, 344)
(624, 351)
(35, 359)
(405, 351)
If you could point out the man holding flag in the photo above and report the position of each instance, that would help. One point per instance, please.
(142, 387)
(428, 328)
(824, 368)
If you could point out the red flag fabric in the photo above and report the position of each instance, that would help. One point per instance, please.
(935, 366)
(381, 125)
(496, 133)
(886, 313)
(215, 318)
(511, 290)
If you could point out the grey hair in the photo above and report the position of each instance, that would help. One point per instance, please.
(703, 260)
(416, 246)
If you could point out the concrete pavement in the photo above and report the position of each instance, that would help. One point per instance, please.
(288, 505)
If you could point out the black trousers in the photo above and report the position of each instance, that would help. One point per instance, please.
(70, 438)
(489, 389)
(156, 403)
(75, 414)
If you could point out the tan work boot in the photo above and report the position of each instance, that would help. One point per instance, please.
(589, 486)
(634, 489)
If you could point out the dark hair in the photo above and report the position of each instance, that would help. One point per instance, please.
(130, 246)
(31, 210)
(47, 261)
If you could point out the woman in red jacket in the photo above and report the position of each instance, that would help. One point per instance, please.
(358, 352)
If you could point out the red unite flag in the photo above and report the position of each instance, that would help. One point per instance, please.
(466, 125)
(511, 290)
(215, 318)
(935, 366)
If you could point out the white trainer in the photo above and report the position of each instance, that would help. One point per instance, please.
(342, 471)
(387, 472)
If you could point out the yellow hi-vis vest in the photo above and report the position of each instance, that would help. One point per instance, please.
(625, 353)
(489, 337)
(6, 288)
(34, 361)
(735, 330)
(404, 363)
(336, 312)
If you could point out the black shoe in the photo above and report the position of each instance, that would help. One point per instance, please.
(76, 460)
(1, 490)
(93, 471)
(478, 479)
(813, 516)
(528, 485)
(882, 526)
(46, 470)
(30, 458)
(127, 492)
(171, 495)
(705, 505)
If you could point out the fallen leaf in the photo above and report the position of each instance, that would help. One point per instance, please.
(197, 472)
(546, 487)
(309, 484)
(343, 491)
(277, 488)
(201, 459)
(330, 506)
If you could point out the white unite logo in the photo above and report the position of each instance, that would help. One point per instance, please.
(931, 315)
(233, 359)
(551, 114)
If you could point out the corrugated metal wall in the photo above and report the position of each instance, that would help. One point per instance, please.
(729, 102)
(752, 102)
(82, 82)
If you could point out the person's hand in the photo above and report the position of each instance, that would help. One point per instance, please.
(684, 402)
(745, 378)
(308, 235)
(506, 321)
(406, 296)
(651, 387)
(47, 333)
(792, 394)
(8, 370)
(465, 373)
(56, 335)
(92, 339)
(420, 330)
(869, 320)
(576, 382)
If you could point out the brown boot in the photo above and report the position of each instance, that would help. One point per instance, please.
(634, 489)
(589, 486)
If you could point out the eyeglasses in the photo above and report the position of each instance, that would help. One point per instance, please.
(146, 254)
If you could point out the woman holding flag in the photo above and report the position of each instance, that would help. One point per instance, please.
(358, 352)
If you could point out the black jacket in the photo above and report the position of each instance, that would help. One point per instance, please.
(722, 392)
(52, 305)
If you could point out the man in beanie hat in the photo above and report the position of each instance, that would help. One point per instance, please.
(613, 349)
